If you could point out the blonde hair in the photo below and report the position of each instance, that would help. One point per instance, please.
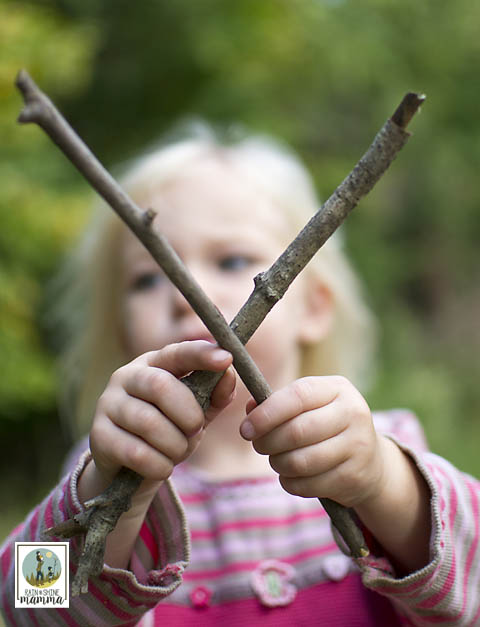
(90, 306)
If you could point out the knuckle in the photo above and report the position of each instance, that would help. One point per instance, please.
(297, 433)
(300, 390)
(181, 450)
(147, 418)
(97, 436)
(118, 375)
(157, 380)
(194, 421)
(340, 382)
(298, 464)
(165, 468)
(134, 456)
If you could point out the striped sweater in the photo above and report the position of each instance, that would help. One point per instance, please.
(251, 553)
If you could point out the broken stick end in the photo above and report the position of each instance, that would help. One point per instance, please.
(407, 108)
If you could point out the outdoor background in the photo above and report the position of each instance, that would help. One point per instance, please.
(322, 75)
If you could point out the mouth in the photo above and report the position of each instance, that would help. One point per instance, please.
(206, 337)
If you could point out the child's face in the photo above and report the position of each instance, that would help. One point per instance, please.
(225, 232)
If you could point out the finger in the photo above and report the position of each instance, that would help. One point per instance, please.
(308, 428)
(337, 484)
(308, 487)
(128, 450)
(144, 420)
(300, 396)
(184, 357)
(169, 395)
(311, 460)
(223, 394)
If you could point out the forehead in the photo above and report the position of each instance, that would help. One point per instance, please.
(212, 199)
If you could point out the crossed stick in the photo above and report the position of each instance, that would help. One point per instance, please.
(102, 512)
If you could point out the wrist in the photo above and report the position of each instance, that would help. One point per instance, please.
(398, 514)
(92, 482)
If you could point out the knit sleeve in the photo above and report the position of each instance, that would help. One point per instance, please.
(445, 590)
(115, 596)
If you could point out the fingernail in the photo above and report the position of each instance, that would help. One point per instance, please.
(247, 430)
(220, 355)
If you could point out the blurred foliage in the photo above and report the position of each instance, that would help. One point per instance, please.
(323, 75)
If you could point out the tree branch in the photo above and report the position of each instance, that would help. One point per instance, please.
(102, 513)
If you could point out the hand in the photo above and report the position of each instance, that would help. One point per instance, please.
(147, 419)
(319, 434)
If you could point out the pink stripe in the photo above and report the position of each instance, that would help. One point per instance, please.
(452, 494)
(477, 617)
(258, 522)
(7, 559)
(7, 609)
(61, 502)
(195, 498)
(31, 614)
(64, 613)
(473, 489)
(160, 534)
(87, 613)
(104, 600)
(473, 549)
(34, 525)
(149, 542)
(251, 565)
(313, 535)
(48, 514)
(434, 600)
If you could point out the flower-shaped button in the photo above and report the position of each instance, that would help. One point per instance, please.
(200, 596)
(272, 583)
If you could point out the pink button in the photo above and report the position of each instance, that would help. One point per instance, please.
(200, 596)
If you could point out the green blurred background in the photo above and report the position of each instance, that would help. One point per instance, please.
(321, 74)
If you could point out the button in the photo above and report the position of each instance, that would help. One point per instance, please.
(272, 583)
(200, 596)
(336, 567)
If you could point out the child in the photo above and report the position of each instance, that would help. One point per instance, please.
(257, 548)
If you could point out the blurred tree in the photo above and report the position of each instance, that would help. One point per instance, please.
(41, 209)
(36, 191)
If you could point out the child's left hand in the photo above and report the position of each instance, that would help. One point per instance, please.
(319, 434)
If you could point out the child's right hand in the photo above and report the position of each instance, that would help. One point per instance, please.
(147, 419)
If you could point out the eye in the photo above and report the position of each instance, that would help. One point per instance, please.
(146, 281)
(235, 263)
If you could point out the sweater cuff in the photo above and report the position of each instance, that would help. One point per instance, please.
(160, 555)
(378, 572)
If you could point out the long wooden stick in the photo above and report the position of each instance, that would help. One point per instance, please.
(102, 513)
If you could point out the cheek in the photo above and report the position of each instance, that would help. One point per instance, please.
(141, 327)
(275, 347)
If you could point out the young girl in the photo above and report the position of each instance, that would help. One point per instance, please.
(225, 526)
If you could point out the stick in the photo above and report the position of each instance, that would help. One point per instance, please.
(102, 513)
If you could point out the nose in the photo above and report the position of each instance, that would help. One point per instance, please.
(181, 307)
